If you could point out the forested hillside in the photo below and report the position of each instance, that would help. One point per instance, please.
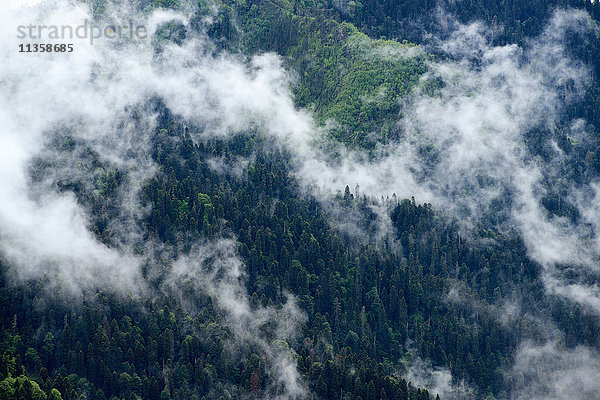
(254, 279)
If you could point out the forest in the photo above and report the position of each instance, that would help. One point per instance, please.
(342, 295)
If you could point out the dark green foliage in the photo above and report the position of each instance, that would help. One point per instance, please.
(130, 348)
(366, 301)
(363, 301)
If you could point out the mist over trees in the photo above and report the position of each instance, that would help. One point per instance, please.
(300, 199)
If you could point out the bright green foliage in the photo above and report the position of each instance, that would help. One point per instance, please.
(349, 79)
(24, 388)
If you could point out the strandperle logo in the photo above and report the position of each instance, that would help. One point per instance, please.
(87, 30)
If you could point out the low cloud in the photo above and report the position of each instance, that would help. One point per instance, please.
(215, 270)
(99, 101)
(551, 372)
(464, 148)
(438, 381)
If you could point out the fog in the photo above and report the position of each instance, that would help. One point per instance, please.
(477, 127)
(216, 270)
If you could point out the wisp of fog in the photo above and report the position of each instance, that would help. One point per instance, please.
(476, 126)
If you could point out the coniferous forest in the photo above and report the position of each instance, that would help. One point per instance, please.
(303, 199)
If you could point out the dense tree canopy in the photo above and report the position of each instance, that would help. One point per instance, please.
(370, 304)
